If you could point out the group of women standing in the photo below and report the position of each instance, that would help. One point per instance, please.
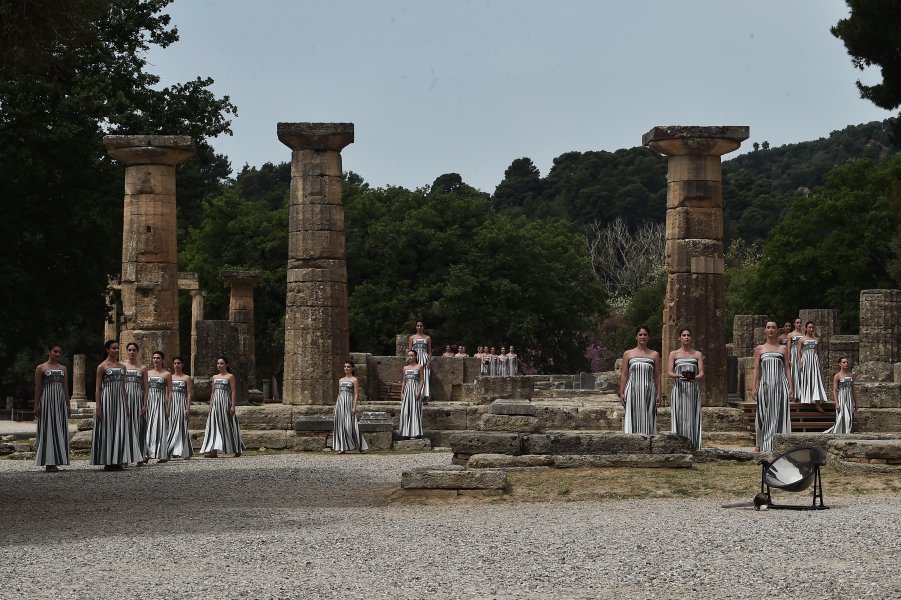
(140, 413)
(505, 364)
(640, 388)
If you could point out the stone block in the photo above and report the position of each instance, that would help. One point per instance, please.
(670, 443)
(503, 461)
(685, 223)
(415, 445)
(378, 440)
(480, 442)
(669, 461)
(519, 423)
(85, 425)
(586, 443)
(455, 478)
(265, 438)
(309, 442)
(81, 441)
(878, 395)
(877, 420)
(270, 416)
(684, 171)
(512, 407)
(731, 455)
(875, 372)
(372, 422)
(314, 423)
(694, 256)
(489, 389)
(881, 450)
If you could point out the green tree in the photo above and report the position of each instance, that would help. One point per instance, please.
(71, 72)
(873, 38)
(832, 243)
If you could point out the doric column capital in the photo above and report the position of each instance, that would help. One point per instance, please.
(242, 278)
(692, 140)
(315, 136)
(150, 149)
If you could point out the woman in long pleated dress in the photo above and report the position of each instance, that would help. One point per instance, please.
(773, 388)
(503, 367)
(421, 344)
(639, 385)
(812, 390)
(686, 368)
(222, 432)
(111, 440)
(483, 360)
(51, 409)
(492, 362)
(136, 385)
(346, 431)
(411, 399)
(159, 399)
(179, 443)
(793, 337)
(845, 397)
(512, 362)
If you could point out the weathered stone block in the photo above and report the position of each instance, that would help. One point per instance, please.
(270, 416)
(882, 450)
(877, 420)
(263, 438)
(502, 461)
(878, 395)
(512, 407)
(685, 223)
(519, 423)
(453, 477)
(488, 389)
(314, 423)
(378, 440)
(310, 442)
(586, 443)
(81, 441)
(415, 445)
(85, 425)
(670, 443)
(694, 256)
(480, 442)
(705, 455)
(670, 461)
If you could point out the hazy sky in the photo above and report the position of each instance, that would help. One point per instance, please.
(446, 86)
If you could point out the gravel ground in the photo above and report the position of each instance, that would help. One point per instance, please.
(319, 526)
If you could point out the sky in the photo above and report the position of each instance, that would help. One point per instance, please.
(468, 86)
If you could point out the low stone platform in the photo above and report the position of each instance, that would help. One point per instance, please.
(452, 481)
(568, 461)
(853, 452)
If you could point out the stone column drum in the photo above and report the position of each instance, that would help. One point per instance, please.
(149, 278)
(78, 397)
(240, 314)
(695, 287)
(880, 334)
(316, 330)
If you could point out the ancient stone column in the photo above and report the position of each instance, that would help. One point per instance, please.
(695, 286)
(240, 314)
(880, 334)
(190, 282)
(149, 278)
(316, 329)
(196, 315)
(748, 331)
(78, 397)
(111, 325)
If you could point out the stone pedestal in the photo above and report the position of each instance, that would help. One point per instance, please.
(240, 315)
(880, 334)
(149, 278)
(748, 331)
(78, 397)
(695, 288)
(316, 330)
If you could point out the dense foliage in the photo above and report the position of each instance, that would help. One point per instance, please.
(71, 72)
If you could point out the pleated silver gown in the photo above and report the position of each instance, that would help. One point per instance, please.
(812, 389)
(410, 408)
(795, 367)
(421, 348)
(52, 442)
(111, 441)
(222, 432)
(134, 385)
(844, 420)
(179, 443)
(512, 366)
(157, 440)
(346, 431)
(503, 366)
(772, 401)
(685, 403)
(483, 366)
(641, 397)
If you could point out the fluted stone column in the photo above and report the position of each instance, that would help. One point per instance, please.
(196, 315)
(240, 314)
(111, 325)
(696, 287)
(316, 329)
(149, 278)
(78, 397)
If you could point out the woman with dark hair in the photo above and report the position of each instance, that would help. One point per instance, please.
(179, 442)
(222, 432)
(51, 409)
(421, 344)
(686, 367)
(136, 386)
(159, 399)
(845, 397)
(346, 430)
(639, 385)
(812, 390)
(772, 388)
(111, 442)
(411, 399)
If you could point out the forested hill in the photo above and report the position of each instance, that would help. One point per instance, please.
(631, 183)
